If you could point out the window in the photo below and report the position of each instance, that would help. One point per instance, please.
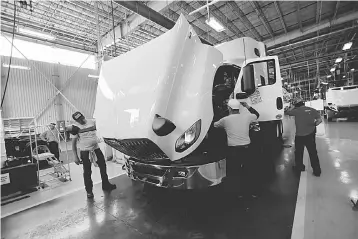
(264, 72)
(257, 52)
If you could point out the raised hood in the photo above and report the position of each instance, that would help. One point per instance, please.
(170, 76)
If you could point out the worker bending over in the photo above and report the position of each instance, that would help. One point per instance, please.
(306, 120)
(237, 126)
(85, 132)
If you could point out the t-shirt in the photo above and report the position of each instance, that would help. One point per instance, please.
(50, 135)
(304, 119)
(87, 140)
(237, 128)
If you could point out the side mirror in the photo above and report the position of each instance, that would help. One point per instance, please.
(240, 96)
(248, 80)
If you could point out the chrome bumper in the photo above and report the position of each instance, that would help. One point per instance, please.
(181, 177)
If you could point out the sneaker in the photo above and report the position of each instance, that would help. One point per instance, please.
(90, 195)
(317, 174)
(109, 187)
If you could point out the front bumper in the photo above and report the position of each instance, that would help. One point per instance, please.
(176, 176)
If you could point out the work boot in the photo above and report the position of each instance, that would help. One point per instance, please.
(109, 187)
(90, 195)
(299, 169)
(317, 173)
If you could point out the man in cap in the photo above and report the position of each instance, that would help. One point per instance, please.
(237, 126)
(51, 137)
(306, 120)
(85, 133)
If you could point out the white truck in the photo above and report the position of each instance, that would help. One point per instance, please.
(157, 103)
(342, 102)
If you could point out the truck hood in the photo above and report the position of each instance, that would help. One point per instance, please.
(170, 76)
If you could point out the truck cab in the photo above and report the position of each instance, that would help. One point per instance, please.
(157, 103)
(258, 81)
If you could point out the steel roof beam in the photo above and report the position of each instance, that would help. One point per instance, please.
(311, 29)
(299, 15)
(220, 17)
(61, 43)
(323, 57)
(36, 26)
(311, 39)
(240, 14)
(280, 15)
(262, 17)
(136, 20)
(318, 11)
(186, 8)
(336, 10)
(63, 10)
(35, 17)
(199, 17)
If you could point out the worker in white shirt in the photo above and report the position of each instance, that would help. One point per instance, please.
(85, 133)
(51, 137)
(237, 126)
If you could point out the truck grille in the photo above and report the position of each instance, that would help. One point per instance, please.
(142, 149)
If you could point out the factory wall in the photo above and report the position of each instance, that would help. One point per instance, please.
(29, 94)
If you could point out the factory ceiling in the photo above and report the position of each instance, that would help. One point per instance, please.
(308, 36)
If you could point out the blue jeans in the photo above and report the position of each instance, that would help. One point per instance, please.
(87, 169)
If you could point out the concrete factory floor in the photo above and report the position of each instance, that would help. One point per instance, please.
(288, 205)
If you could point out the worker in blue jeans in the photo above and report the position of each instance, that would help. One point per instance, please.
(306, 120)
(85, 133)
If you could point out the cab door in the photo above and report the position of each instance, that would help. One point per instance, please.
(260, 85)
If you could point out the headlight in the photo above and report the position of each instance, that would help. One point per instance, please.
(188, 138)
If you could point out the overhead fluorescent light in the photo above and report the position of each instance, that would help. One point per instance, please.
(36, 33)
(17, 67)
(352, 69)
(347, 46)
(333, 69)
(344, 76)
(93, 76)
(215, 24)
(339, 59)
(329, 76)
(324, 83)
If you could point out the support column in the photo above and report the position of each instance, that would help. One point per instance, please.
(99, 48)
(57, 81)
(2, 141)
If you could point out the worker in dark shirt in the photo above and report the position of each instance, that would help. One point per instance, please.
(306, 120)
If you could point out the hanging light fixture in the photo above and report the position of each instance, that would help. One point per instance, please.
(35, 33)
(93, 76)
(16, 67)
(347, 46)
(213, 22)
(339, 59)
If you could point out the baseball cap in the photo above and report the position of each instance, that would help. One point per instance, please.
(77, 115)
(234, 104)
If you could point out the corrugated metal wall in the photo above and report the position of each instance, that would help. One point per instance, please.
(28, 92)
